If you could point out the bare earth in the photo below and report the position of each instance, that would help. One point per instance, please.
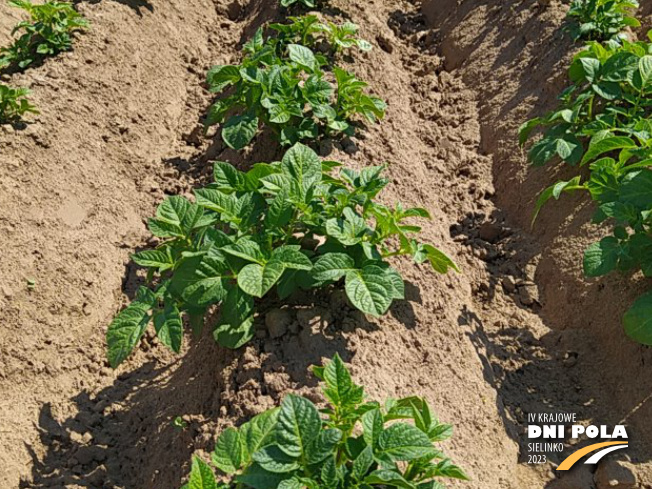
(518, 331)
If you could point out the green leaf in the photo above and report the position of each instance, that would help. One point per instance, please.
(258, 478)
(236, 323)
(369, 290)
(293, 483)
(638, 320)
(257, 280)
(291, 257)
(175, 217)
(404, 442)
(245, 248)
(298, 425)
(228, 455)
(372, 423)
(338, 380)
(227, 177)
(542, 151)
(273, 459)
(348, 231)
(280, 211)
(440, 262)
(591, 68)
(606, 145)
(287, 284)
(216, 200)
(128, 327)
(201, 476)
(556, 191)
(333, 266)
(637, 189)
(569, 149)
(363, 463)
(317, 92)
(323, 446)
(303, 165)
(396, 280)
(607, 90)
(221, 76)
(159, 259)
(259, 432)
(200, 279)
(388, 478)
(602, 257)
(446, 468)
(645, 68)
(169, 327)
(239, 130)
(302, 56)
(619, 67)
(329, 474)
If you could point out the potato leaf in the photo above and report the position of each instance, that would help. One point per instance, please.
(638, 320)
(369, 290)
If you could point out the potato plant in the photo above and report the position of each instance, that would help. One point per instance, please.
(285, 89)
(603, 123)
(600, 19)
(297, 223)
(308, 31)
(48, 32)
(352, 444)
(304, 3)
(14, 104)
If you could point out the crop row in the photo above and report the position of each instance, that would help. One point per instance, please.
(48, 32)
(602, 128)
(298, 223)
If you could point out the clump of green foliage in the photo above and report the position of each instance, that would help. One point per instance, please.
(48, 32)
(352, 444)
(600, 20)
(305, 3)
(603, 123)
(297, 223)
(14, 104)
(284, 88)
(308, 31)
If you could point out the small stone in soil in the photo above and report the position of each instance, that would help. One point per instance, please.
(528, 294)
(490, 232)
(277, 322)
(508, 284)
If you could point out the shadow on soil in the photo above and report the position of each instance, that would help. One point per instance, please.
(125, 435)
(142, 430)
(136, 5)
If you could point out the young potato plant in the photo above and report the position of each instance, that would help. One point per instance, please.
(14, 104)
(308, 31)
(604, 123)
(600, 20)
(287, 92)
(305, 3)
(48, 32)
(297, 223)
(611, 92)
(352, 444)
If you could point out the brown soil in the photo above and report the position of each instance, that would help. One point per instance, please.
(119, 130)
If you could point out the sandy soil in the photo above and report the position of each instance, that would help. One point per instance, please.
(518, 331)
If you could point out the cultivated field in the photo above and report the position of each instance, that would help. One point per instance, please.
(454, 297)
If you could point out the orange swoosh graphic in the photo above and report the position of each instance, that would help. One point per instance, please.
(570, 461)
